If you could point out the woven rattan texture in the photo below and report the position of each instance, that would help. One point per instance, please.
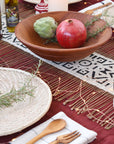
(78, 95)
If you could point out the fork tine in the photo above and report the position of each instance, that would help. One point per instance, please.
(66, 135)
(66, 138)
(73, 137)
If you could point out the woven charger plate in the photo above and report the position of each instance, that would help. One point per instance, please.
(28, 111)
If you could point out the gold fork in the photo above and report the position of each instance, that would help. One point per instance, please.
(67, 138)
(94, 9)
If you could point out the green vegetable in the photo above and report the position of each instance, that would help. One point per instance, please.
(46, 27)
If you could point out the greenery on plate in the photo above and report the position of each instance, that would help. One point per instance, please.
(16, 95)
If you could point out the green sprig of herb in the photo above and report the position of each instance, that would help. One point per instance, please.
(14, 95)
(17, 95)
(91, 22)
(95, 33)
(87, 25)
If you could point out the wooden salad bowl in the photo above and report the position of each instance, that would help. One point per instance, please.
(53, 51)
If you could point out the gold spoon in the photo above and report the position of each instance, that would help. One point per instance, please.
(54, 126)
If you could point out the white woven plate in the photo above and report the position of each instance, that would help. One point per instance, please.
(24, 113)
(37, 1)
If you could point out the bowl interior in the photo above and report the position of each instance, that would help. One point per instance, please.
(26, 34)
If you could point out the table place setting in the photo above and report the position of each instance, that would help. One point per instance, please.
(94, 69)
(101, 9)
(86, 136)
(24, 99)
(78, 94)
(89, 64)
(99, 6)
(83, 68)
